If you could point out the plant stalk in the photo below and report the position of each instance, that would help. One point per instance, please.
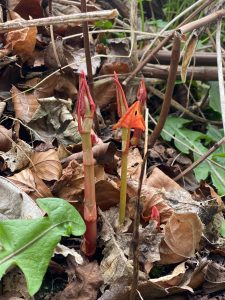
(123, 184)
(90, 215)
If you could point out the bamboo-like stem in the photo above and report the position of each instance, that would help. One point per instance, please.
(90, 215)
(123, 180)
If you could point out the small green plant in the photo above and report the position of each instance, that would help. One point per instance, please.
(194, 142)
(30, 244)
(129, 118)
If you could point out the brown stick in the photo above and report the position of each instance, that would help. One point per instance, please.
(88, 60)
(196, 73)
(163, 42)
(201, 159)
(153, 137)
(73, 18)
(200, 58)
(169, 90)
(184, 110)
(205, 21)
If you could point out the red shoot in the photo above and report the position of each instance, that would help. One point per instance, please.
(122, 105)
(142, 92)
(132, 118)
(85, 106)
(155, 215)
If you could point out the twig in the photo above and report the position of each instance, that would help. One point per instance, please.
(209, 161)
(201, 159)
(88, 61)
(205, 21)
(163, 42)
(184, 110)
(169, 89)
(199, 73)
(153, 137)
(220, 71)
(200, 58)
(73, 18)
(171, 22)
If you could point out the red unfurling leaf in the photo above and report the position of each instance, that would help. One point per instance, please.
(142, 92)
(122, 105)
(155, 215)
(85, 105)
(132, 118)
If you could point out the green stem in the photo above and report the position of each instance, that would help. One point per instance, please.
(123, 184)
(90, 215)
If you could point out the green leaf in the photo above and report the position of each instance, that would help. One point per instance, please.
(171, 125)
(222, 229)
(29, 244)
(214, 96)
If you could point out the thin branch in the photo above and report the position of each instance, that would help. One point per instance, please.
(205, 21)
(163, 42)
(199, 73)
(181, 108)
(65, 19)
(88, 61)
(201, 159)
(153, 137)
(220, 71)
(169, 89)
(173, 21)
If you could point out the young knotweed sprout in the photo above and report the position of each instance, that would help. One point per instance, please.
(131, 119)
(142, 97)
(85, 114)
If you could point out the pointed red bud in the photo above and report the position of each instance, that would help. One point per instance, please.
(122, 105)
(132, 118)
(155, 215)
(85, 106)
(142, 92)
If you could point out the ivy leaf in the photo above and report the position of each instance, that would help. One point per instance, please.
(29, 244)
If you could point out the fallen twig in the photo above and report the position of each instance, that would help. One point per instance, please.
(181, 108)
(88, 61)
(197, 73)
(163, 42)
(65, 19)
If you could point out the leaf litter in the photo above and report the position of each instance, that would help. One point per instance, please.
(182, 247)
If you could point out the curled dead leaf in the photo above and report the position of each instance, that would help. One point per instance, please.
(5, 139)
(22, 42)
(31, 184)
(46, 165)
(24, 104)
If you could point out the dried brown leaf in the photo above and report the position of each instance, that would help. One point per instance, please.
(183, 233)
(47, 165)
(24, 104)
(5, 136)
(18, 157)
(31, 184)
(22, 42)
(189, 52)
(87, 280)
(71, 183)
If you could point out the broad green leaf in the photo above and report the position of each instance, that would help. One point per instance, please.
(214, 96)
(222, 229)
(171, 125)
(29, 244)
